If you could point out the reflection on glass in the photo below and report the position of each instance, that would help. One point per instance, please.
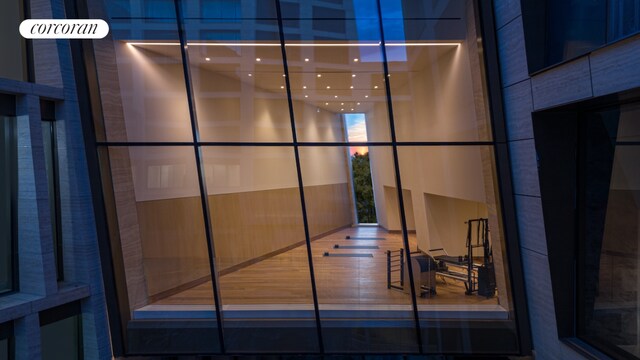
(238, 82)
(436, 78)
(259, 239)
(350, 259)
(608, 269)
(162, 232)
(451, 204)
(141, 75)
(339, 73)
(8, 185)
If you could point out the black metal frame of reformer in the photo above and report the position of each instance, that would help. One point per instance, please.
(469, 275)
(395, 263)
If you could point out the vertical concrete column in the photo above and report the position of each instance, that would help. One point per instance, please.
(37, 270)
(27, 337)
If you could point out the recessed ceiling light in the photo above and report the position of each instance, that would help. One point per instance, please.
(258, 59)
(366, 96)
(341, 109)
(281, 87)
(328, 87)
(358, 104)
(351, 109)
(326, 103)
(304, 87)
(208, 58)
(375, 87)
(319, 75)
(335, 96)
(250, 74)
(284, 75)
(355, 60)
(306, 96)
(353, 75)
(351, 87)
(341, 103)
(306, 59)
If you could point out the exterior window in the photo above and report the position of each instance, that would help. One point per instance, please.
(590, 187)
(15, 66)
(556, 31)
(6, 341)
(8, 191)
(608, 271)
(51, 162)
(340, 187)
(61, 333)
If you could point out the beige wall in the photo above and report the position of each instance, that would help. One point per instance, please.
(253, 194)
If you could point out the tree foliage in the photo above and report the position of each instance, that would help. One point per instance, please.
(363, 187)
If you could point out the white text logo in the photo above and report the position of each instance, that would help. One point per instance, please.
(64, 29)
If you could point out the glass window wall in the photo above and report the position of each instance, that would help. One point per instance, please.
(8, 191)
(340, 147)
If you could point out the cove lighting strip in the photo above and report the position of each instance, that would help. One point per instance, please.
(136, 43)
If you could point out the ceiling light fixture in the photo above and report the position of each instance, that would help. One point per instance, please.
(328, 87)
(207, 59)
(319, 75)
(335, 96)
(258, 59)
(355, 60)
(353, 75)
(281, 87)
(366, 96)
(326, 103)
(306, 60)
(351, 87)
(304, 87)
(351, 109)
(306, 96)
(358, 104)
(375, 87)
(277, 44)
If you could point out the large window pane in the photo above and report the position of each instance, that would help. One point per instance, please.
(260, 247)
(238, 80)
(141, 76)
(609, 288)
(62, 339)
(335, 65)
(452, 203)
(351, 251)
(161, 228)
(435, 67)
(15, 66)
(8, 191)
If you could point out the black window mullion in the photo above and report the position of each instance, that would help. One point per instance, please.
(396, 164)
(201, 174)
(307, 237)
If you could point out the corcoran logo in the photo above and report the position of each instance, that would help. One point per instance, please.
(64, 29)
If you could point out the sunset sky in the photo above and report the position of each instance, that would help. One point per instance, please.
(357, 132)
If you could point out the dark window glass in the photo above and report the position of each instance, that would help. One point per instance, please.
(8, 189)
(557, 31)
(6, 341)
(608, 281)
(14, 66)
(51, 163)
(62, 339)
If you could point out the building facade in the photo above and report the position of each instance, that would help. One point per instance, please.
(322, 177)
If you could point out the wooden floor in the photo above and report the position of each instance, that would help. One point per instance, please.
(284, 279)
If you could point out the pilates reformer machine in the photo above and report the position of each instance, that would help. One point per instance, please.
(424, 272)
(477, 277)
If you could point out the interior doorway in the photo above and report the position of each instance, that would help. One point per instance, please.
(360, 169)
